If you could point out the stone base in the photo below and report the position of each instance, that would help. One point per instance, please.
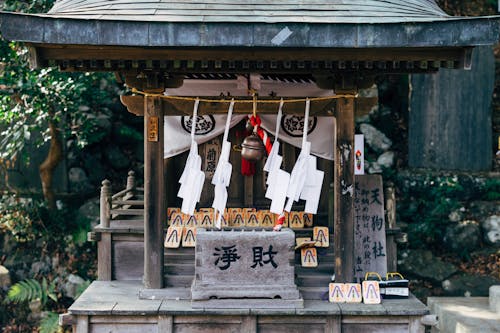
(248, 303)
(280, 292)
(494, 299)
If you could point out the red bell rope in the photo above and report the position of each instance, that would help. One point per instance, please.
(255, 121)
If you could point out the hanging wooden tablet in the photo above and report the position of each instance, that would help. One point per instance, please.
(206, 210)
(266, 219)
(237, 219)
(296, 220)
(174, 237)
(309, 257)
(189, 237)
(192, 221)
(286, 220)
(353, 293)
(336, 293)
(178, 219)
(308, 220)
(300, 240)
(206, 220)
(371, 292)
(251, 219)
(170, 212)
(321, 236)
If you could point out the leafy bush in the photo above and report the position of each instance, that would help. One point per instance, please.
(30, 290)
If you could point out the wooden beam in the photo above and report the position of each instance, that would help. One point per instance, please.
(344, 192)
(135, 104)
(104, 258)
(154, 193)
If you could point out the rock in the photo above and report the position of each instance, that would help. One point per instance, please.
(469, 285)
(374, 138)
(423, 264)
(463, 236)
(456, 215)
(116, 158)
(374, 168)
(5, 281)
(70, 287)
(39, 267)
(386, 160)
(104, 123)
(90, 211)
(491, 229)
(78, 180)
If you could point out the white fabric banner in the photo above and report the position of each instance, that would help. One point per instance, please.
(321, 132)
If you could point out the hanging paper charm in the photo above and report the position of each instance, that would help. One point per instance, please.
(222, 175)
(192, 177)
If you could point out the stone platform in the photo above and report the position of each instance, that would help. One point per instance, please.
(464, 315)
(114, 306)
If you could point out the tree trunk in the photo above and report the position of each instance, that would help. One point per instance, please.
(48, 166)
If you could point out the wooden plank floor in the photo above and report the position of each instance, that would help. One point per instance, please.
(121, 297)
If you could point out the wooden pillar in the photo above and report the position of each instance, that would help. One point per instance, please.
(344, 191)
(154, 193)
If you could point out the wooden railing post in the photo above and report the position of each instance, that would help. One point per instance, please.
(105, 204)
(131, 182)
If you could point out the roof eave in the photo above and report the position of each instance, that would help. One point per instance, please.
(463, 32)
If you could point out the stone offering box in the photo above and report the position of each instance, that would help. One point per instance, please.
(245, 268)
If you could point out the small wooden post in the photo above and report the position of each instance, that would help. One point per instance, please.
(391, 229)
(344, 192)
(131, 181)
(154, 193)
(105, 204)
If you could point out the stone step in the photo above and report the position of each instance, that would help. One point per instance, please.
(464, 314)
(314, 293)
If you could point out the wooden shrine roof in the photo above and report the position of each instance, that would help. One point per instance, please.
(264, 11)
(215, 36)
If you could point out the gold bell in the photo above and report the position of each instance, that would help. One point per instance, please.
(252, 148)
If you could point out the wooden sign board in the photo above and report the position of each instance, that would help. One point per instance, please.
(153, 122)
(369, 226)
(321, 236)
(353, 293)
(189, 237)
(174, 237)
(309, 257)
(336, 293)
(371, 292)
(211, 156)
(296, 220)
(308, 220)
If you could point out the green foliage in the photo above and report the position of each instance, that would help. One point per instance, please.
(29, 290)
(491, 189)
(426, 206)
(50, 323)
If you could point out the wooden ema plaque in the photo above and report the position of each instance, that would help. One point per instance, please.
(266, 219)
(251, 219)
(371, 292)
(296, 220)
(309, 257)
(308, 220)
(321, 236)
(237, 217)
(206, 220)
(170, 212)
(369, 226)
(189, 237)
(352, 293)
(336, 292)
(178, 219)
(174, 237)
